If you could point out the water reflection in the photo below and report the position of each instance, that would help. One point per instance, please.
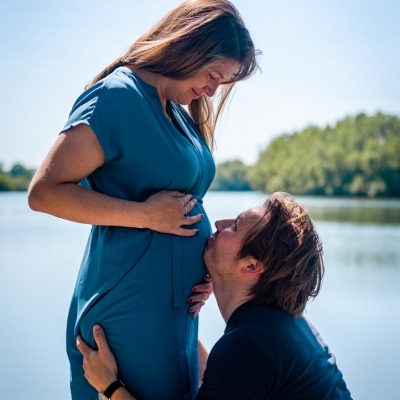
(360, 246)
(352, 210)
(358, 211)
(356, 311)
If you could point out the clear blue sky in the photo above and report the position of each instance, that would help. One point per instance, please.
(322, 60)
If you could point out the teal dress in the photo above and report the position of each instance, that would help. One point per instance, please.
(135, 282)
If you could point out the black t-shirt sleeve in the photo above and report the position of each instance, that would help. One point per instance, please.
(236, 369)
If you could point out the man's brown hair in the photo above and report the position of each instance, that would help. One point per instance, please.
(285, 241)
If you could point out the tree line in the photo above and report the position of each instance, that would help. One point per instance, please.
(359, 156)
(17, 178)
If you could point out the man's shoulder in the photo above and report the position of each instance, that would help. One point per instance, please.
(261, 317)
(265, 327)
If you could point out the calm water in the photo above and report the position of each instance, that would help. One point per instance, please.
(357, 311)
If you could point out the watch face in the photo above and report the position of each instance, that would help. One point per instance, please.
(102, 397)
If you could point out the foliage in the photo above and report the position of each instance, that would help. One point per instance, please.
(231, 175)
(16, 179)
(358, 157)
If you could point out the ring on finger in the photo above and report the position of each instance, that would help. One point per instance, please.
(186, 209)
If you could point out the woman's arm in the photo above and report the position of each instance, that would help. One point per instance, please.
(76, 154)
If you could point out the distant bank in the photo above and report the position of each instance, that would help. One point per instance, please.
(357, 157)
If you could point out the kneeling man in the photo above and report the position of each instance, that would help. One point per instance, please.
(265, 265)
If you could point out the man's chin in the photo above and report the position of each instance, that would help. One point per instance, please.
(209, 244)
(206, 256)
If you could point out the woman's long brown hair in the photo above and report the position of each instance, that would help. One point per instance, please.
(193, 35)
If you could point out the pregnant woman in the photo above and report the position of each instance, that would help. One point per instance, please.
(135, 164)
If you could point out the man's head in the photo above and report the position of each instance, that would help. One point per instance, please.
(276, 245)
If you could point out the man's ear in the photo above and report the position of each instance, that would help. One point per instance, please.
(252, 266)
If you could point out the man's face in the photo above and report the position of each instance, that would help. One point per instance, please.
(223, 246)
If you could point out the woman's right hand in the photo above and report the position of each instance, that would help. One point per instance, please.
(166, 212)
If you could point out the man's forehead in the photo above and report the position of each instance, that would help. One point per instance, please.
(252, 214)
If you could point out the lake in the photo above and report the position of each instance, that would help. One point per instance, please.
(357, 311)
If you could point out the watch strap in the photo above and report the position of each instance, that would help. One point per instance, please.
(112, 388)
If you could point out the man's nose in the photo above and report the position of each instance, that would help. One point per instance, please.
(218, 225)
(223, 223)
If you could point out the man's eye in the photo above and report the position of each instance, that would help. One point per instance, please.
(211, 77)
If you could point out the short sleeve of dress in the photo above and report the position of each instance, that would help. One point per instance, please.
(107, 108)
(236, 369)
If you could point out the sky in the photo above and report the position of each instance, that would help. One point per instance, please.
(322, 60)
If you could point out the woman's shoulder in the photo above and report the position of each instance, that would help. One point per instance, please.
(122, 85)
(118, 81)
(124, 79)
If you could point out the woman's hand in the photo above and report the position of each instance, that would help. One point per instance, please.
(201, 293)
(100, 365)
(166, 211)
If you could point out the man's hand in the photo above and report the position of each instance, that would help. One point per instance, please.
(100, 365)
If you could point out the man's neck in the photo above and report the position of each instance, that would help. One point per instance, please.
(229, 299)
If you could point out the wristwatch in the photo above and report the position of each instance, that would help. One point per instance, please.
(106, 395)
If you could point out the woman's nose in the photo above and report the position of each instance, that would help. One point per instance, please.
(211, 88)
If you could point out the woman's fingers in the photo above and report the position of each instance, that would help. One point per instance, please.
(196, 307)
(188, 202)
(169, 212)
(201, 292)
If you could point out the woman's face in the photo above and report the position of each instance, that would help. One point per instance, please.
(206, 82)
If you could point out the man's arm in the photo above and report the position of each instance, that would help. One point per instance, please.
(100, 365)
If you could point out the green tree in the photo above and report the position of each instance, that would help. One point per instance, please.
(231, 175)
(16, 179)
(358, 156)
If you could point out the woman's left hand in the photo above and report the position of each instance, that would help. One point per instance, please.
(201, 293)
